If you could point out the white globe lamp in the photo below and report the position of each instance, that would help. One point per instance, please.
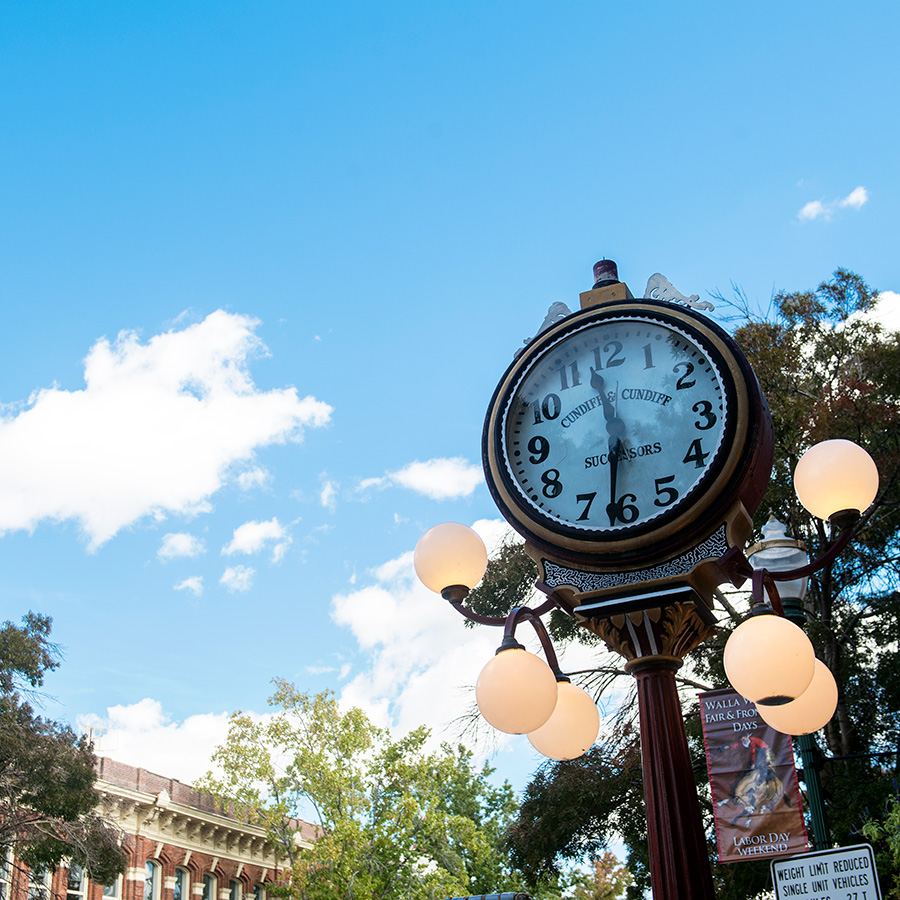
(450, 555)
(769, 660)
(835, 475)
(572, 728)
(516, 691)
(811, 711)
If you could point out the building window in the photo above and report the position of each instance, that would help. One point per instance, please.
(182, 890)
(151, 881)
(38, 883)
(76, 883)
(259, 892)
(5, 873)
(113, 891)
(209, 887)
(234, 890)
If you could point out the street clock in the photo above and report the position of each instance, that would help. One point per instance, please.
(628, 443)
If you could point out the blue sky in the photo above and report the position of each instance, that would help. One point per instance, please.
(293, 247)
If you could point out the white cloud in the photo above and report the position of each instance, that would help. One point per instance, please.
(194, 584)
(421, 662)
(856, 198)
(238, 579)
(255, 477)
(328, 494)
(377, 484)
(141, 734)
(180, 544)
(818, 209)
(439, 479)
(156, 430)
(251, 537)
(813, 210)
(886, 311)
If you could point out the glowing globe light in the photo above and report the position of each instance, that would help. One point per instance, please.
(450, 554)
(516, 691)
(835, 475)
(769, 660)
(811, 711)
(572, 728)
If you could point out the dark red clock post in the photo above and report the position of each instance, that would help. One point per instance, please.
(653, 642)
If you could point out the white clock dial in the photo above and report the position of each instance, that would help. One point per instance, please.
(616, 425)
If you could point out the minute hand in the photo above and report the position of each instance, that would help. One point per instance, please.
(616, 428)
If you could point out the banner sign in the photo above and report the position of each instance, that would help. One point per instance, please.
(828, 875)
(756, 797)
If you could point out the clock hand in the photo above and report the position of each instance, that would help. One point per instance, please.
(614, 425)
(616, 428)
(612, 507)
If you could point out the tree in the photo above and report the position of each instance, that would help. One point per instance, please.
(828, 371)
(886, 833)
(605, 880)
(47, 797)
(395, 821)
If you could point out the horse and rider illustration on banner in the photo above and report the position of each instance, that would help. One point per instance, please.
(756, 797)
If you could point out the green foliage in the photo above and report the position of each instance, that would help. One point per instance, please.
(605, 880)
(395, 821)
(47, 797)
(885, 832)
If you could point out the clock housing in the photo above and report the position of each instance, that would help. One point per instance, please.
(625, 433)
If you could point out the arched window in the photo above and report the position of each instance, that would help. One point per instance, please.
(182, 888)
(209, 887)
(259, 891)
(113, 890)
(151, 880)
(234, 890)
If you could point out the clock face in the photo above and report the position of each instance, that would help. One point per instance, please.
(616, 426)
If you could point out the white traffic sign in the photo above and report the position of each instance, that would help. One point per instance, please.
(847, 873)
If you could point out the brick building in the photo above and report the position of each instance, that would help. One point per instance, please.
(179, 847)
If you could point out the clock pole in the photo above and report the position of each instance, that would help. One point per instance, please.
(653, 643)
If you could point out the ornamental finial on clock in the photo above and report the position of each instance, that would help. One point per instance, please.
(607, 286)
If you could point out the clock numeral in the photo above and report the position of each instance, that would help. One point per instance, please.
(704, 408)
(587, 499)
(615, 357)
(550, 407)
(552, 485)
(623, 510)
(695, 454)
(539, 447)
(564, 383)
(683, 382)
(648, 357)
(665, 496)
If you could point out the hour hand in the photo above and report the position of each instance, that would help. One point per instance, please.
(599, 385)
(614, 425)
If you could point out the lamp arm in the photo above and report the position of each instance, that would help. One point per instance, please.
(830, 555)
(456, 594)
(738, 568)
(521, 613)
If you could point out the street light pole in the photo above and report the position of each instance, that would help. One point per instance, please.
(779, 553)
